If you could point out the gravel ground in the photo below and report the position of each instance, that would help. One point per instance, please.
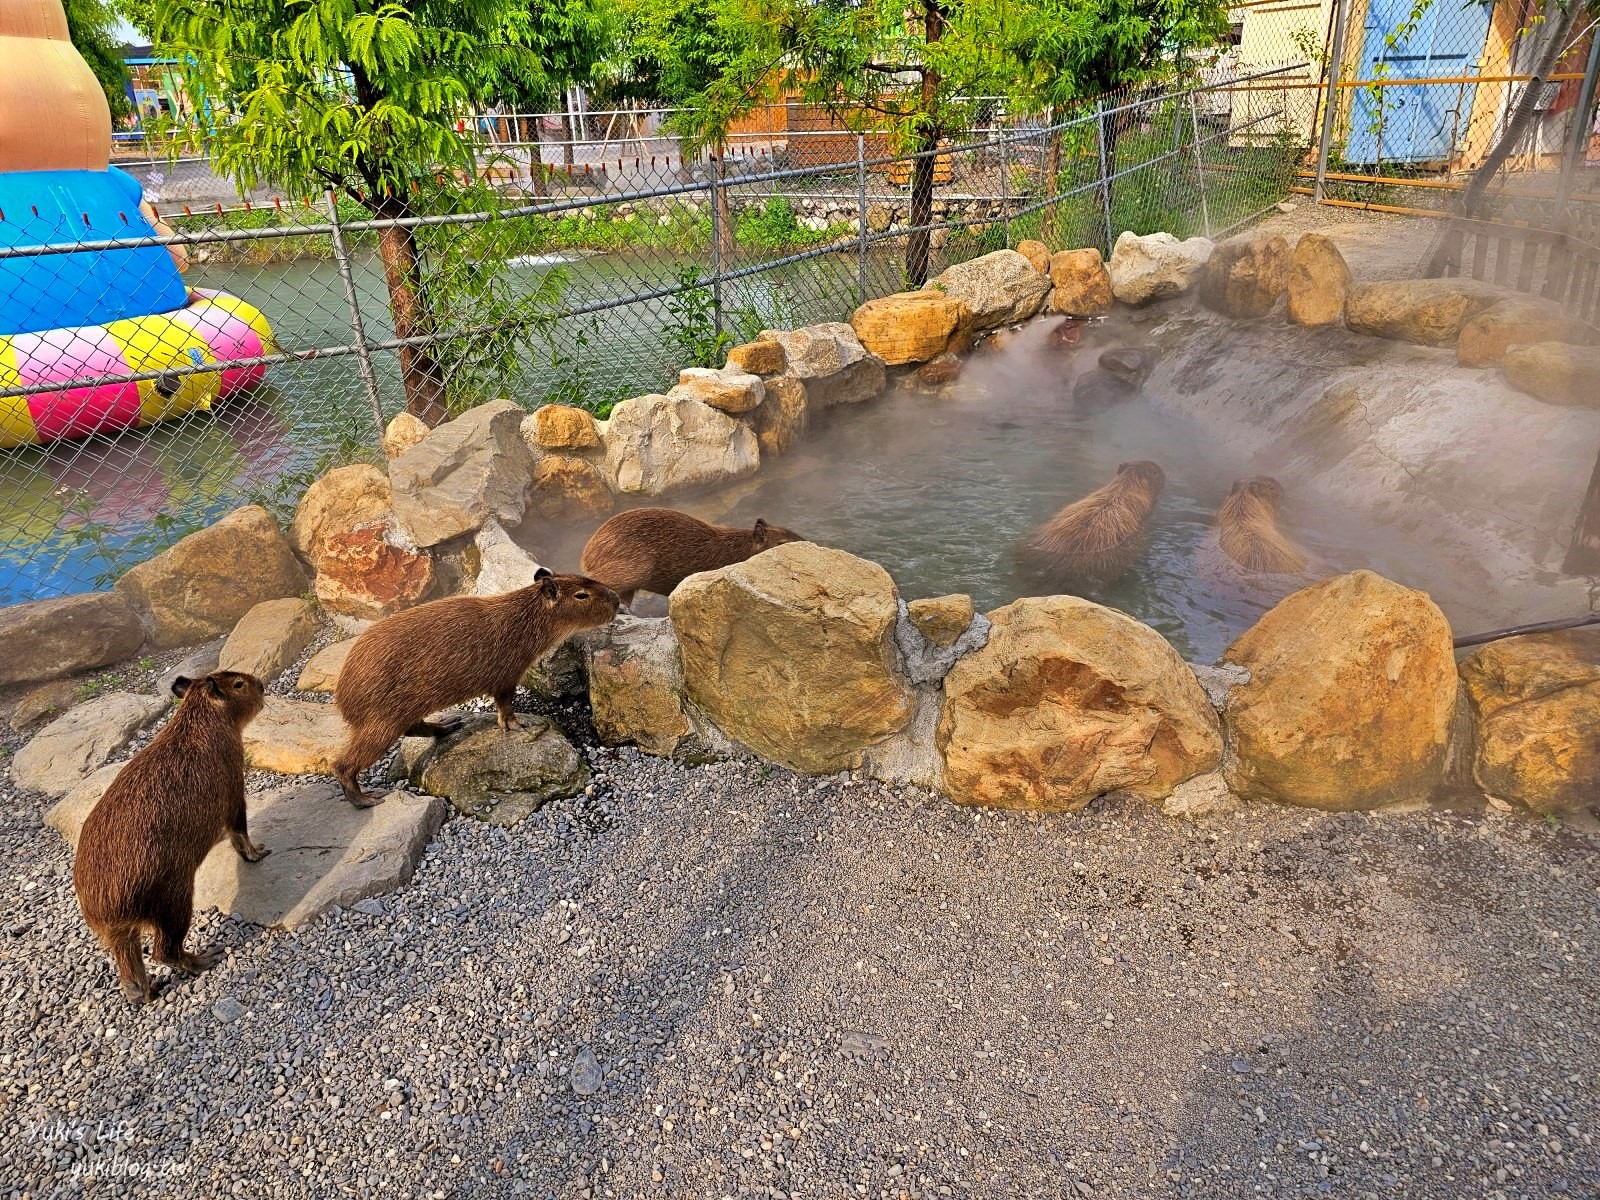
(730, 981)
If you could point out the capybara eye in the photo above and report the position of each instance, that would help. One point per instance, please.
(582, 595)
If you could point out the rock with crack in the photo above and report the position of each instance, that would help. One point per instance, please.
(999, 288)
(269, 638)
(503, 566)
(636, 687)
(74, 746)
(925, 656)
(657, 444)
(496, 775)
(473, 469)
(831, 362)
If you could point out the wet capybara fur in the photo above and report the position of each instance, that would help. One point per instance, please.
(449, 651)
(1093, 541)
(142, 844)
(1248, 529)
(656, 549)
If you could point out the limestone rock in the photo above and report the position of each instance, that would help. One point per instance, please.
(202, 662)
(831, 362)
(499, 776)
(1319, 281)
(1427, 311)
(1068, 701)
(1556, 373)
(729, 391)
(269, 638)
(74, 746)
(780, 422)
(908, 327)
(1082, 283)
(503, 566)
(942, 619)
(1536, 710)
(45, 639)
(1037, 254)
(199, 588)
(570, 489)
(655, 444)
(764, 356)
(1203, 796)
(294, 737)
(343, 499)
(67, 815)
(1351, 693)
(1245, 275)
(363, 574)
(1155, 266)
(562, 427)
(1514, 321)
(1000, 288)
(47, 700)
(322, 672)
(636, 688)
(467, 471)
(402, 433)
(563, 672)
(790, 653)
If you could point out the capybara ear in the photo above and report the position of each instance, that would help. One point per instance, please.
(180, 686)
(547, 585)
(1121, 467)
(761, 531)
(213, 687)
(542, 573)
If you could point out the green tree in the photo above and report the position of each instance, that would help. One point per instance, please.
(92, 26)
(361, 97)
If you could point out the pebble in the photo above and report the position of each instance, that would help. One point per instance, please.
(228, 1010)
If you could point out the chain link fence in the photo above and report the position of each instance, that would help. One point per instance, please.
(296, 330)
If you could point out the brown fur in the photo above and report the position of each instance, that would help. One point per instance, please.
(141, 846)
(435, 655)
(656, 549)
(1249, 533)
(1095, 540)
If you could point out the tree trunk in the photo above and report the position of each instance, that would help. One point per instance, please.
(922, 170)
(402, 271)
(724, 206)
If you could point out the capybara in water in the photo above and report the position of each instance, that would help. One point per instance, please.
(141, 846)
(443, 653)
(1093, 541)
(656, 549)
(1248, 529)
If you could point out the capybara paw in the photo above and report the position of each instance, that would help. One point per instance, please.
(366, 800)
(511, 723)
(193, 964)
(254, 852)
(134, 994)
(447, 725)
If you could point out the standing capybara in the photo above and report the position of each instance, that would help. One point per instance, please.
(141, 846)
(443, 653)
(1092, 542)
(656, 549)
(1248, 529)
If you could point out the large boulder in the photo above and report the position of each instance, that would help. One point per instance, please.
(657, 444)
(908, 327)
(1429, 312)
(343, 499)
(567, 488)
(495, 775)
(322, 672)
(781, 420)
(294, 737)
(636, 687)
(561, 427)
(1068, 701)
(1155, 266)
(323, 852)
(763, 357)
(402, 433)
(831, 362)
(1351, 693)
(364, 574)
(199, 588)
(1556, 373)
(269, 638)
(44, 639)
(1245, 275)
(1000, 288)
(1536, 712)
(1082, 283)
(791, 653)
(75, 746)
(503, 565)
(1514, 321)
(1037, 254)
(467, 471)
(1319, 281)
(730, 390)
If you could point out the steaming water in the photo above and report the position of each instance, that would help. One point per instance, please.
(938, 489)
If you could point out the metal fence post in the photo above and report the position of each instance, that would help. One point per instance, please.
(369, 377)
(1330, 95)
(1005, 188)
(716, 240)
(1200, 165)
(1105, 170)
(861, 216)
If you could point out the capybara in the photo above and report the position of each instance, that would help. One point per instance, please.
(1093, 541)
(656, 549)
(443, 653)
(1248, 529)
(141, 846)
